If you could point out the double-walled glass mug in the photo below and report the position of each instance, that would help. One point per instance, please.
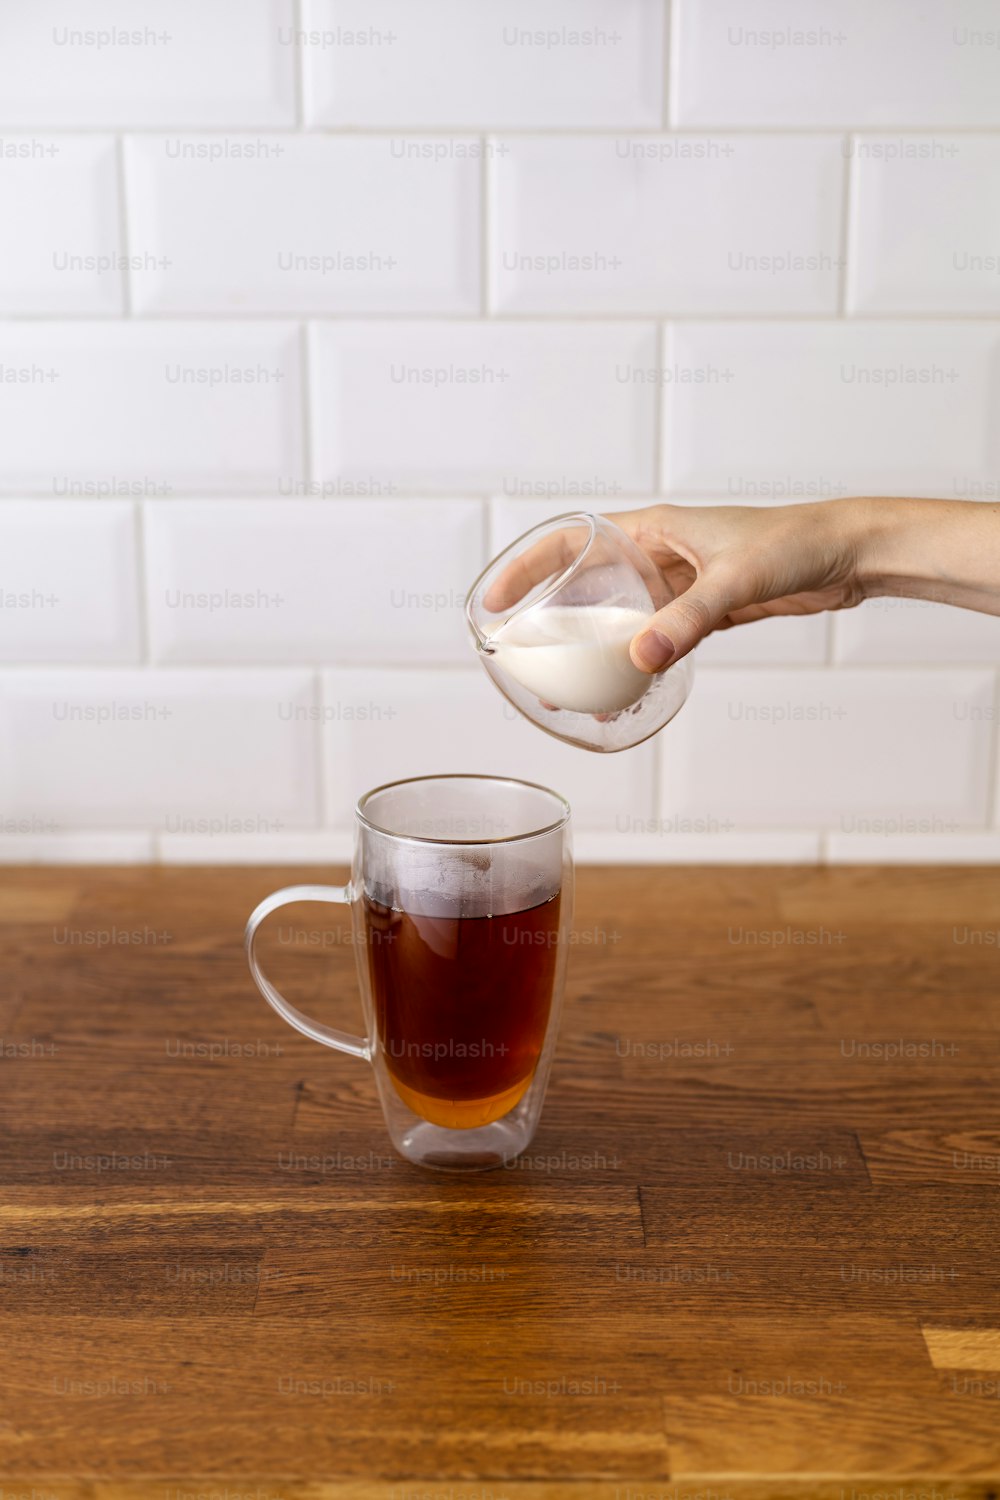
(552, 618)
(461, 894)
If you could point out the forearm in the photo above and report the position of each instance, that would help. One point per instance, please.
(944, 550)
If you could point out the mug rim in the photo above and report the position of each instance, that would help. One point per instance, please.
(415, 838)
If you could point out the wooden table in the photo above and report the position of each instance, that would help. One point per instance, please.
(753, 1251)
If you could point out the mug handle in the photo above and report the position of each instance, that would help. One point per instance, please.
(336, 894)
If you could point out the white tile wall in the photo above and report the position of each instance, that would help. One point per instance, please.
(914, 631)
(166, 62)
(201, 752)
(656, 841)
(841, 750)
(810, 63)
(303, 847)
(153, 407)
(645, 224)
(461, 406)
(383, 725)
(933, 846)
(489, 62)
(60, 246)
(433, 271)
(73, 848)
(867, 408)
(302, 224)
(790, 640)
(511, 517)
(939, 192)
(68, 586)
(304, 580)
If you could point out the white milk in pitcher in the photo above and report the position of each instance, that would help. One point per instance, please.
(574, 658)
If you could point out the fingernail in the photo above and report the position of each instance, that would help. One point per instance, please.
(654, 650)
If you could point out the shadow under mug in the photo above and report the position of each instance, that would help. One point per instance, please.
(461, 894)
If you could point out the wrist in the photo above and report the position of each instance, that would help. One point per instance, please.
(854, 538)
(885, 536)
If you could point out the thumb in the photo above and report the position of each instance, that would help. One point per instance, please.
(679, 626)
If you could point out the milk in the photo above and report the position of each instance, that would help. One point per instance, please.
(574, 657)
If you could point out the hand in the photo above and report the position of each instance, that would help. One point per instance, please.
(729, 565)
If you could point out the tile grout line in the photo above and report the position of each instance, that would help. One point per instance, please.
(846, 226)
(659, 420)
(442, 664)
(251, 317)
(305, 423)
(298, 68)
(666, 102)
(319, 695)
(120, 181)
(485, 503)
(485, 226)
(140, 542)
(831, 129)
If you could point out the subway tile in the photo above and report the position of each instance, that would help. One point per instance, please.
(873, 407)
(657, 842)
(68, 581)
(76, 848)
(169, 751)
(459, 407)
(668, 223)
(936, 845)
(168, 62)
(511, 518)
(849, 750)
(807, 63)
(783, 640)
(383, 725)
(925, 224)
(60, 248)
(148, 408)
(914, 631)
(303, 847)
(290, 223)
(498, 62)
(311, 580)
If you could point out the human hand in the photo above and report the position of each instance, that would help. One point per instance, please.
(725, 565)
(729, 565)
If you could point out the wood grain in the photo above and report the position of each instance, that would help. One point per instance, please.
(752, 1253)
(963, 1348)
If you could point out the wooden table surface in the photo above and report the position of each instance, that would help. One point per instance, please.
(753, 1250)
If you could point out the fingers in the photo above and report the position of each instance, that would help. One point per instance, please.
(679, 626)
(551, 554)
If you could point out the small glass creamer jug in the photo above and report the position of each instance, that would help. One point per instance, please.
(552, 618)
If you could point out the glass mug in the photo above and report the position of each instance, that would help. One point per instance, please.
(551, 619)
(461, 894)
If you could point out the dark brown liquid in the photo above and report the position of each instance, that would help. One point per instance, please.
(461, 1005)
